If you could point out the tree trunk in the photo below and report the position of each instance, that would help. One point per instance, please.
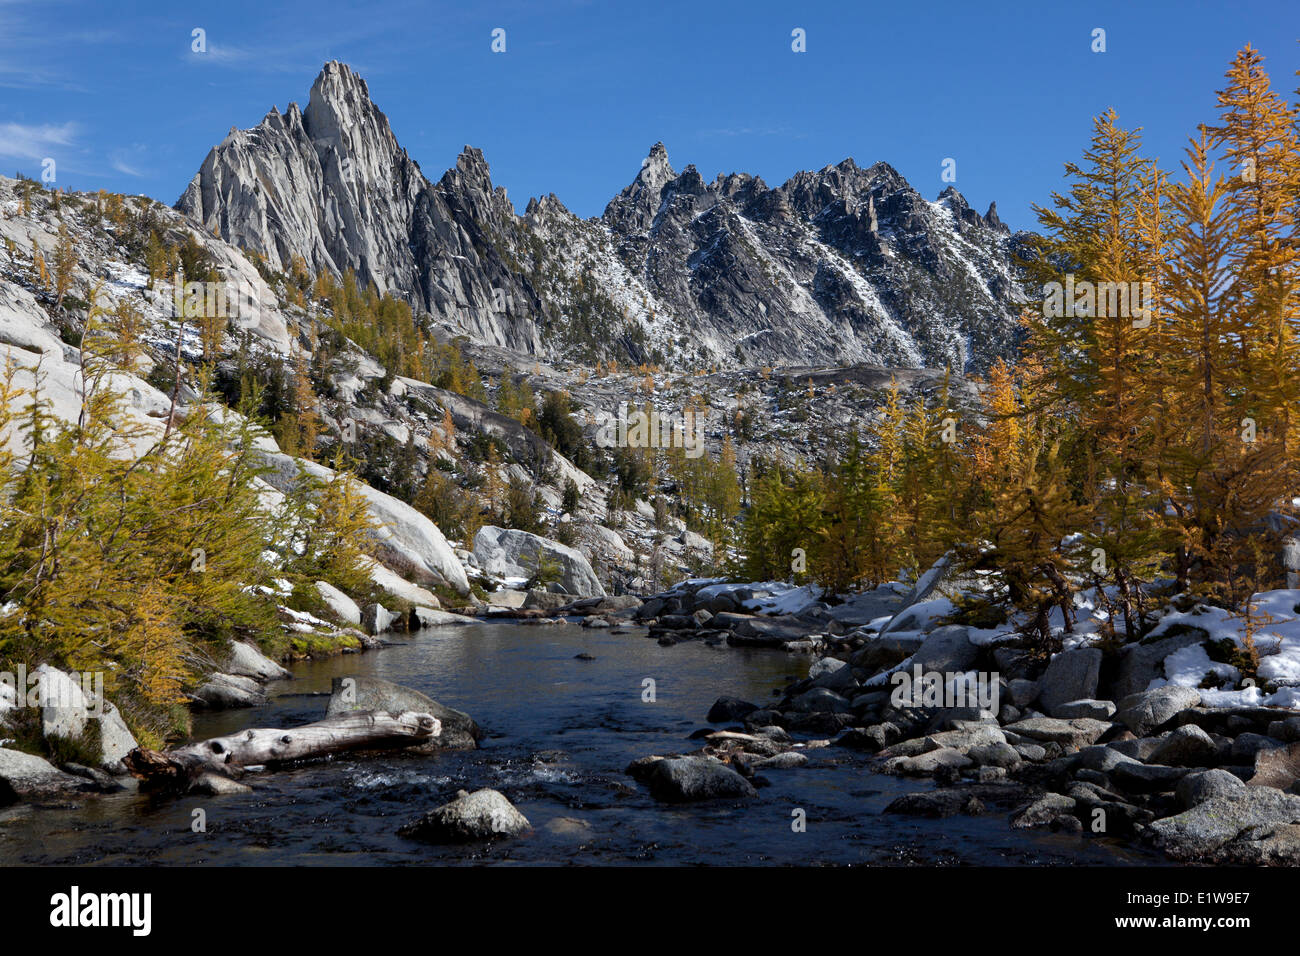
(180, 767)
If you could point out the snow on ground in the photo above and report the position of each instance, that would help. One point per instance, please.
(784, 599)
(769, 597)
(1276, 636)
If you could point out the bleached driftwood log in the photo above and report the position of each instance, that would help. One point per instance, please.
(182, 767)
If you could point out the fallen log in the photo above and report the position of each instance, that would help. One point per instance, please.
(182, 767)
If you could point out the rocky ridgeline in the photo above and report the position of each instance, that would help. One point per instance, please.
(1078, 744)
(844, 265)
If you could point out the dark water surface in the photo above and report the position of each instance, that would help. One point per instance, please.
(560, 734)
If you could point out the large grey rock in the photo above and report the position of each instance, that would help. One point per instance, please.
(833, 674)
(821, 700)
(1139, 748)
(1070, 676)
(516, 554)
(1206, 831)
(1140, 664)
(1103, 758)
(947, 650)
(864, 608)
(507, 597)
(67, 712)
(970, 799)
(481, 815)
(229, 692)
(1046, 810)
(1248, 746)
(969, 736)
(682, 779)
(1287, 730)
(1186, 746)
(434, 617)
(1147, 777)
(1277, 767)
(931, 761)
(886, 651)
(770, 631)
(24, 776)
(730, 708)
(995, 755)
(1075, 733)
(377, 619)
(63, 704)
(459, 730)
(115, 739)
(1024, 692)
(870, 739)
(1145, 711)
(245, 660)
(535, 599)
(392, 583)
(1196, 788)
(782, 761)
(338, 602)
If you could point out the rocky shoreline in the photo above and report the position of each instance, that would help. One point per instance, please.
(1079, 744)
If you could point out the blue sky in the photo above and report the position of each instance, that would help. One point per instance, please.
(113, 92)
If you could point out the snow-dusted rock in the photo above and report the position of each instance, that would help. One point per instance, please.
(338, 602)
(1145, 711)
(61, 388)
(515, 554)
(921, 591)
(406, 537)
(399, 587)
(599, 542)
(24, 324)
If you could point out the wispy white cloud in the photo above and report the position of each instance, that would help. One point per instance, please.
(20, 141)
(125, 162)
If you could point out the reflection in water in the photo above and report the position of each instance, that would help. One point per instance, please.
(561, 732)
